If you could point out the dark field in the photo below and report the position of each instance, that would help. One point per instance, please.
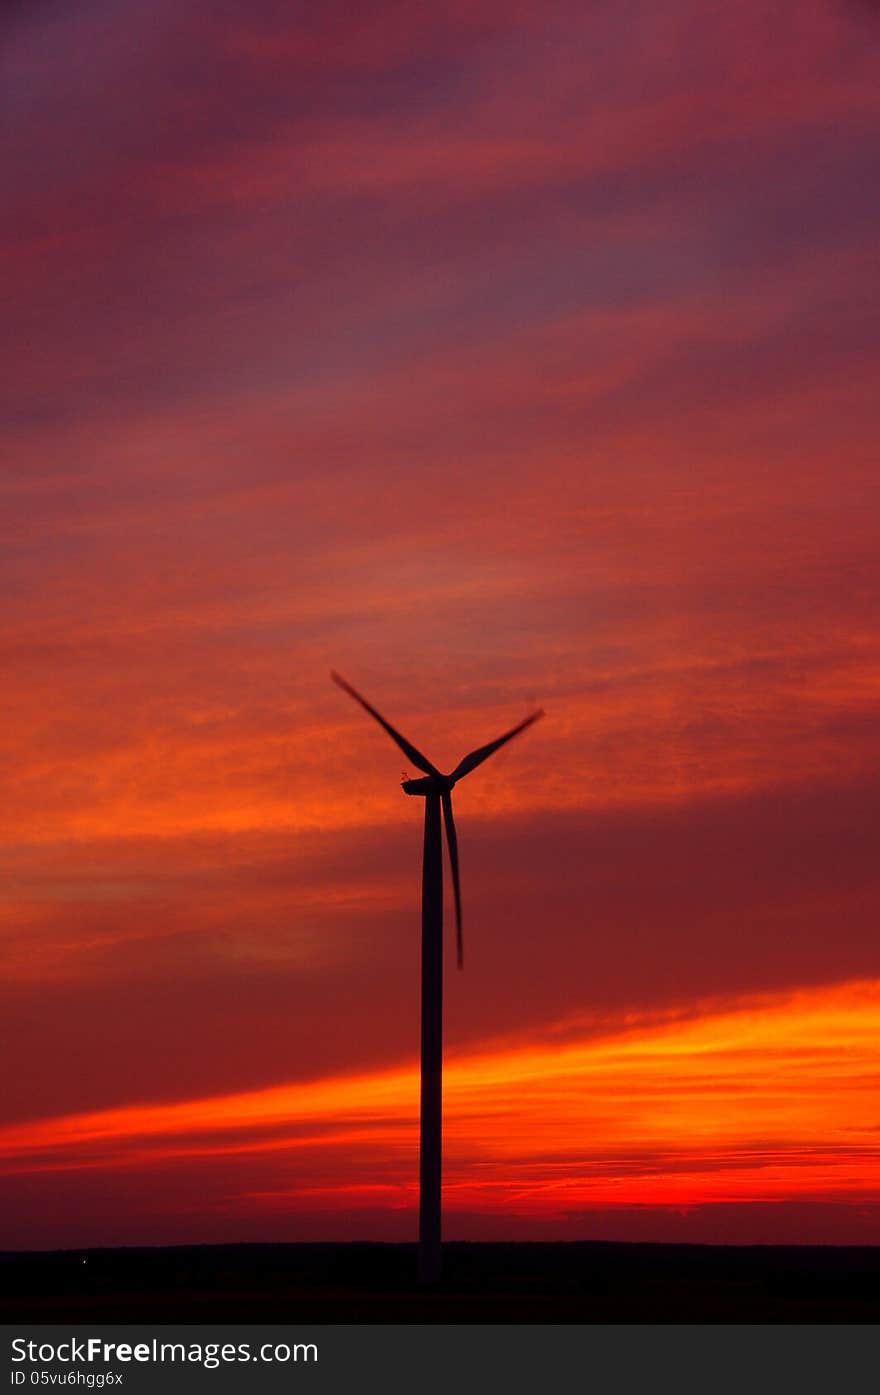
(497, 1283)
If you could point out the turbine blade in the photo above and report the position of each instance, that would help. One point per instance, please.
(452, 840)
(421, 762)
(482, 753)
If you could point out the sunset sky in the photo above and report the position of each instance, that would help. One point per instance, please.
(497, 355)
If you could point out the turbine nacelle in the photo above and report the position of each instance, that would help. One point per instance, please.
(428, 784)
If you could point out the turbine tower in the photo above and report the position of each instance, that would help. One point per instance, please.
(436, 790)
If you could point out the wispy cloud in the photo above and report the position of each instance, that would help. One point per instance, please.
(766, 1099)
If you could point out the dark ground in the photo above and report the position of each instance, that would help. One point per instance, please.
(497, 1283)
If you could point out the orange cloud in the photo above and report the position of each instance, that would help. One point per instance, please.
(770, 1098)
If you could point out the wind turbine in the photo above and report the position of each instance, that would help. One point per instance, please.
(436, 790)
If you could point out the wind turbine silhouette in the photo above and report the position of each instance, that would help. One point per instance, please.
(436, 790)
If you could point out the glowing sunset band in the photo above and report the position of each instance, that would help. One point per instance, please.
(769, 1098)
